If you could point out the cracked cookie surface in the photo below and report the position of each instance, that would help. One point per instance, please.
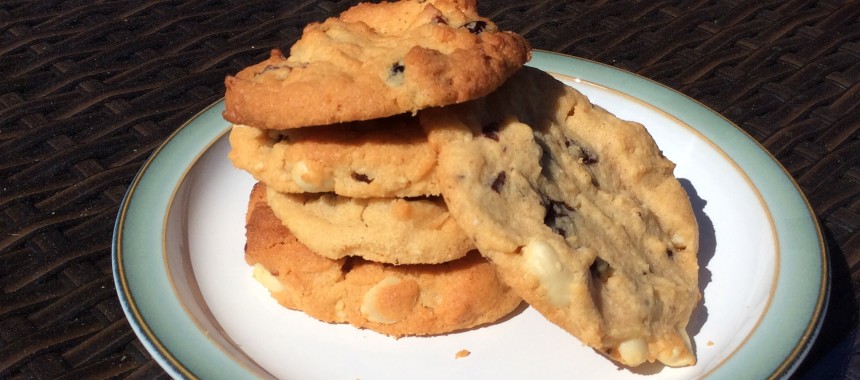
(578, 210)
(387, 157)
(377, 60)
(393, 300)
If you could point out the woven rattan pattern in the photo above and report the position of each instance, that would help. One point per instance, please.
(88, 89)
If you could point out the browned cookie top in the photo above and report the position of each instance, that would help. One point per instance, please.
(377, 60)
(396, 300)
(384, 230)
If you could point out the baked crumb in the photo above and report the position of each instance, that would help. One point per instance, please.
(462, 354)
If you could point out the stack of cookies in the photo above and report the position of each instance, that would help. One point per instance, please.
(416, 179)
(347, 223)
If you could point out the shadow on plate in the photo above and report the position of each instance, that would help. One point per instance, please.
(707, 248)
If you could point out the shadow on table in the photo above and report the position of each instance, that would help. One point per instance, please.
(836, 346)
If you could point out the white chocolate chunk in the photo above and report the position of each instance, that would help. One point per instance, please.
(368, 304)
(299, 174)
(542, 261)
(678, 242)
(633, 351)
(678, 357)
(264, 277)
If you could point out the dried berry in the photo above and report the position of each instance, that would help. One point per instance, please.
(499, 182)
(361, 177)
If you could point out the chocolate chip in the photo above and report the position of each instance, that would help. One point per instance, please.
(499, 182)
(491, 131)
(669, 253)
(476, 27)
(361, 177)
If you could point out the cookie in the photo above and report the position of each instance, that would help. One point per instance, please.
(578, 210)
(393, 300)
(376, 60)
(385, 230)
(387, 157)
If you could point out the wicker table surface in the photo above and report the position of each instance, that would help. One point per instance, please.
(88, 89)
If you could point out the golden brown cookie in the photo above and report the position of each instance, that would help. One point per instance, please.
(377, 60)
(578, 210)
(387, 157)
(384, 230)
(393, 300)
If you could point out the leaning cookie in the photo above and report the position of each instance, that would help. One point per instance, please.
(386, 230)
(393, 300)
(578, 210)
(377, 60)
(387, 157)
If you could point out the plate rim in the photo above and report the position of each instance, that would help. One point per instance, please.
(597, 73)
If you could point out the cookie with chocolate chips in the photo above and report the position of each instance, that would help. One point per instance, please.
(393, 300)
(578, 210)
(377, 60)
(385, 230)
(387, 157)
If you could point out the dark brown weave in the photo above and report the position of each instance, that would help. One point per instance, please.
(89, 88)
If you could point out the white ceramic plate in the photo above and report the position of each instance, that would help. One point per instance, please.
(190, 297)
